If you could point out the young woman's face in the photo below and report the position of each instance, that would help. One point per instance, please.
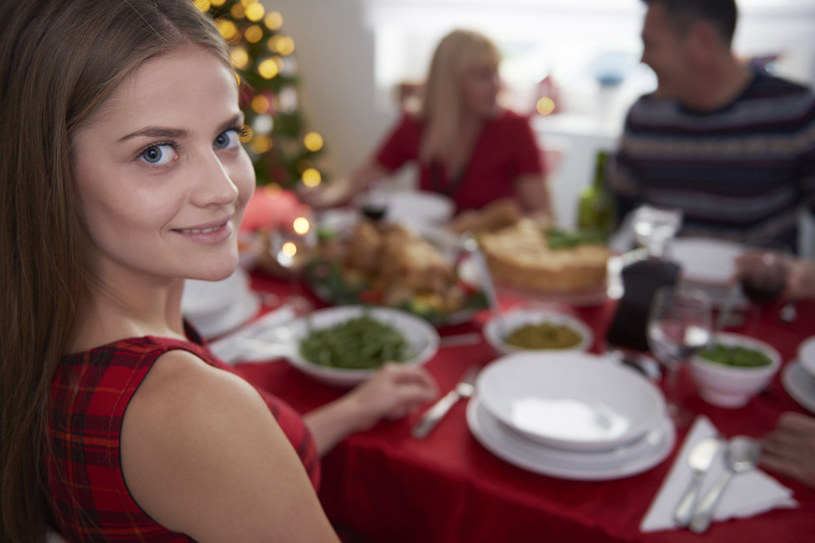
(480, 88)
(162, 178)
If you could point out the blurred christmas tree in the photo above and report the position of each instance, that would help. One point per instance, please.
(276, 138)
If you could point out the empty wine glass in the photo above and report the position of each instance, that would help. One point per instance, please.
(654, 227)
(679, 325)
(292, 245)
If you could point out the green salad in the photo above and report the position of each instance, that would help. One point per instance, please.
(735, 355)
(359, 343)
(558, 238)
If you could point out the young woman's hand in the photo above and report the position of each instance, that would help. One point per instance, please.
(392, 392)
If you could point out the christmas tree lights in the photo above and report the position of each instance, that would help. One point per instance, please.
(282, 150)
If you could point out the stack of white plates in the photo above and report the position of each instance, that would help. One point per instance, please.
(798, 376)
(216, 307)
(572, 415)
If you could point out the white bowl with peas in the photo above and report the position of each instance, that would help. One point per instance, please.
(733, 368)
(344, 345)
(532, 329)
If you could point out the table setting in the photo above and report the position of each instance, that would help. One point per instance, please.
(571, 438)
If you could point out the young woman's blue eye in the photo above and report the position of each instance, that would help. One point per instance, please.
(226, 139)
(158, 155)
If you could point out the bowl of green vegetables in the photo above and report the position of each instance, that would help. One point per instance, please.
(344, 345)
(733, 368)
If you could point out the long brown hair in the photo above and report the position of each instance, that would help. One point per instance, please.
(59, 61)
(458, 53)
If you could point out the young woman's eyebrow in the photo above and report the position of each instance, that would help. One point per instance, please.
(163, 132)
(154, 132)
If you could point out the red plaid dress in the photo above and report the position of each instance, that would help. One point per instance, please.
(90, 392)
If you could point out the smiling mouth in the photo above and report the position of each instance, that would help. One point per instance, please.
(200, 230)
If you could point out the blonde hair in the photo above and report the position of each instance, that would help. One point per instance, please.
(459, 53)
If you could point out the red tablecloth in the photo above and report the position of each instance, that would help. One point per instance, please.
(388, 487)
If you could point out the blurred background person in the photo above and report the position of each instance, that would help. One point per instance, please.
(732, 147)
(467, 146)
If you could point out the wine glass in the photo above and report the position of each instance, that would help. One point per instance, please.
(679, 325)
(763, 273)
(654, 227)
(291, 245)
(374, 203)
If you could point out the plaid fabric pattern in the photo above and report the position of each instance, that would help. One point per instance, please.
(90, 392)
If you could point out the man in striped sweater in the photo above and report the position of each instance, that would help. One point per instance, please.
(732, 147)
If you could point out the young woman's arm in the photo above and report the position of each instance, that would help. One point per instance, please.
(203, 455)
(341, 190)
(392, 392)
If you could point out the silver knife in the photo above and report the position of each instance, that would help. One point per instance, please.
(463, 389)
(700, 458)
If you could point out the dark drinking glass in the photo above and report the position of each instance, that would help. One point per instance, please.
(763, 274)
(374, 211)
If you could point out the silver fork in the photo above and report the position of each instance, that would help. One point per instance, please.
(463, 389)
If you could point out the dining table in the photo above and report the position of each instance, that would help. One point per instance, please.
(384, 485)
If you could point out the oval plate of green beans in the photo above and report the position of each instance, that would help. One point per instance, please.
(344, 345)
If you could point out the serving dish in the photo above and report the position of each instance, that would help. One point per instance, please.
(733, 386)
(393, 265)
(422, 340)
(500, 327)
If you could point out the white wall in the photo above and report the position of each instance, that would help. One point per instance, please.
(335, 55)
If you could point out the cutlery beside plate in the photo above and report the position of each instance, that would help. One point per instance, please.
(700, 459)
(463, 389)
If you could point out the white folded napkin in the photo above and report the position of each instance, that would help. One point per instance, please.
(748, 493)
(260, 340)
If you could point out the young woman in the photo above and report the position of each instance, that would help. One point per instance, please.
(122, 175)
(466, 145)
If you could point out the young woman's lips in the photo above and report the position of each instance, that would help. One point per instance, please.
(208, 233)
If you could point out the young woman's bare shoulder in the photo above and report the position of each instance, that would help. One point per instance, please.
(203, 455)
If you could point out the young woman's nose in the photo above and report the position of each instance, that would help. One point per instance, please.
(213, 185)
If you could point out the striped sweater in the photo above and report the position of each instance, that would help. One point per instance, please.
(742, 172)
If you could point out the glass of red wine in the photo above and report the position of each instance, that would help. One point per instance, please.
(374, 204)
(763, 272)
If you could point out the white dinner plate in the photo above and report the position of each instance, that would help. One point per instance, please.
(705, 260)
(422, 339)
(636, 457)
(239, 312)
(806, 355)
(418, 207)
(570, 400)
(799, 384)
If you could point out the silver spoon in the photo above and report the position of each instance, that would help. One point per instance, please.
(741, 455)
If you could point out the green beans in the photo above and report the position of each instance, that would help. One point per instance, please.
(735, 355)
(358, 343)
